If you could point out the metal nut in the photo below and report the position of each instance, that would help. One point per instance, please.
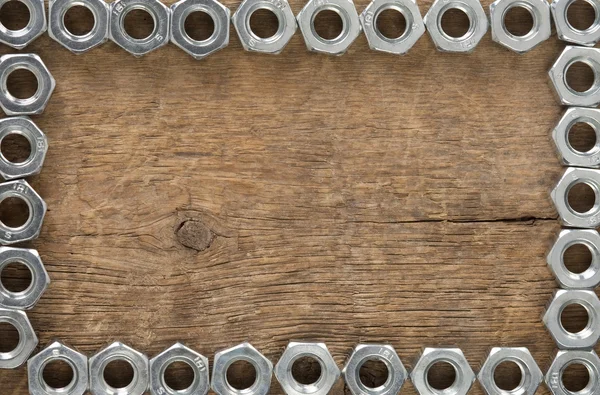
(568, 154)
(58, 352)
(330, 372)
(558, 72)
(37, 25)
(37, 142)
(27, 339)
(540, 32)
(30, 230)
(478, 25)
(73, 42)
(560, 196)
(589, 238)
(350, 26)
(566, 32)
(179, 353)
(200, 49)
(385, 353)
(118, 352)
(587, 337)
(563, 360)
(161, 16)
(34, 104)
(274, 44)
(399, 45)
(531, 375)
(455, 357)
(242, 352)
(40, 280)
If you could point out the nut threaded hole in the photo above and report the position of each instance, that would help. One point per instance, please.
(179, 376)
(9, 337)
(15, 148)
(79, 20)
(574, 318)
(582, 137)
(328, 24)
(16, 277)
(580, 77)
(138, 24)
(264, 23)
(581, 198)
(581, 15)
(373, 373)
(241, 375)
(441, 375)
(391, 23)
(58, 374)
(508, 376)
(306, 370)
(14, 15)
(575, 377)
(14, 212)
(22, 84)
(199, 26)
(518, 21)
(577, 258)
(455, 23)
(118, 374)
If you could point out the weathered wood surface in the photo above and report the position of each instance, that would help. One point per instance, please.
(365, 198)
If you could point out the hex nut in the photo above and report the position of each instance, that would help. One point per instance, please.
(400, 45)
(566, 32)
(560, 196)
(75, 43)
(531, 375)
(57, 351)
(338, 45)
(385, 353)
(27, 339)
(179, 353)
(37, 210)
(118, 351)
(558, 76)
(36, 26)
(40, 280)
(567, 238)
(219, 38)
(540, 31)
(568, 155)
(241, 352)
(330, 373)
(455, 357)
(38, 144)
(271, 45)
(477, 27)
(564, 359)
(562, 298)
(35, 104)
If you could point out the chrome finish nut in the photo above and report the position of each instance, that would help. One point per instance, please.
(46, 83)
(566, 32)
(400, 45)
(27, 339)
(219, 38)
(478, 25)
(350, 26)
(30, 230)
(40, 279)
(179, 353)
(560, 196)
(73, 42)
(118, 352)
(558, 75)
(330, 373)
(38, 144)
(531, 375)
(161, 16)
(455, 357)
(540, 32)
(242, 352)
(37, 25)
(385, 353)
(567, 238)
(569, 156)
(58, 352)
(586, 338)
(563, 360)
(274, 44)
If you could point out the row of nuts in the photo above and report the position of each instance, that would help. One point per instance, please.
(89, 375)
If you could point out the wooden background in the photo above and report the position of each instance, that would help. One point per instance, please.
(362, 198)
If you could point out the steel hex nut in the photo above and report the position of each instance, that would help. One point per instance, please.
(558, 76)
(78, 43)
(455, 357)
(30, 230)
(38, 145)
(567, 238)
(540, 32)
(58, 352)
(531, 375)
(385, 353)
(242, 352)
(27, 339)
(118, 351)
(568, 155)
(560, 196)
(179, 353)
(564, 359)
(566, 32)
(40, 280)
(36, 26)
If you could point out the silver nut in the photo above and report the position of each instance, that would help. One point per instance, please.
(478, 25)
(567, 238)
(274, 44)
(560, 196)
(568, 154)
(30, 230)
(179, 353)
(58, 352)
(161, 16)
(40, 279)
(219, 38)
(27, 339)
(46, 83)
(564, 359)
(330, 373)
(566, 32)
(38, 145)
(242, 352)
(558, 76)
(73, 42)
(400, 45)
(385, 353)
(350, 26)
(540, 32)
(37, 25)
(562, 298)
(531, 375)
(118, 352)
(455, 357)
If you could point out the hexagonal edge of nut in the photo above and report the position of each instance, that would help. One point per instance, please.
(521, 354)
(218, 381)
(27, 345)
